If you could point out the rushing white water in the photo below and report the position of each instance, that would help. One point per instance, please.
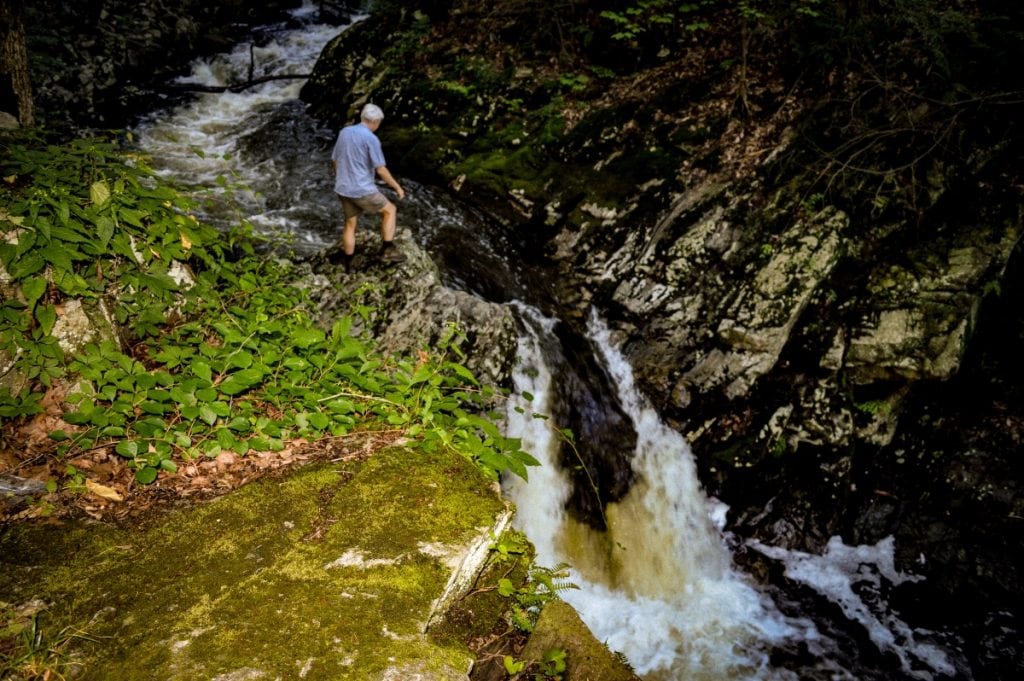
(197, 143)
(852, 577)
(658, 586)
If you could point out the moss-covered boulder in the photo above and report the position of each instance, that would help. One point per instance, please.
(332, 572)
(560, 630)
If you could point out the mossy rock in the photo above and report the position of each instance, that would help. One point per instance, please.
(587, 659)
(331, 572)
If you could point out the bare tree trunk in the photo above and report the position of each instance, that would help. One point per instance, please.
(744, 54)
(15, 86)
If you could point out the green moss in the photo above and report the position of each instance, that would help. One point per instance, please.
(322, 568)
(560, 627)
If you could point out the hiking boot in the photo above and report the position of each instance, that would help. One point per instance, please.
(392, 255)
(339, 258)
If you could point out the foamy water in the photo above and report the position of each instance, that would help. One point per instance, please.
(853, 577)
(196, 144)
(659, 585)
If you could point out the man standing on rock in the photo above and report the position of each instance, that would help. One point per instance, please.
(356, 159)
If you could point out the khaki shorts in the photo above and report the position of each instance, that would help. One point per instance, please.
(374, 203)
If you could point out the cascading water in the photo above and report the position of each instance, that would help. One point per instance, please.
(658, 584)
(258, 140)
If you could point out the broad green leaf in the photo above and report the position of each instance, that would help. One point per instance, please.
(59, 256)
(59, 233)
(63, 213)
(525, 457)
(47, 317)
(104, 230)
(220, 408)
(207, 414)
(99, 192)
(159, 282)
(295, 363)
(240, 424)
(151, 407)
(225, 439)
(127, 448)
(518, 468)
(182, 397)
(131, 216)
(26, 242)
(319, 420)
(463, 372)
(150, 426)
(202, 370)
(28, 264)
(240, 360)
(240, 381)
(146, 475)
(303, 338)
(43, 225)
(33, 288)
(7, 253)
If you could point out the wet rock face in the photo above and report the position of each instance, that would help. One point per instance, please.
(408, 310)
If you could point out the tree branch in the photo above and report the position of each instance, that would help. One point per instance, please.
(238, 87)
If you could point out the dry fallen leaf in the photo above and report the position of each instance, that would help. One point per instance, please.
(103, 491)
(225, 459)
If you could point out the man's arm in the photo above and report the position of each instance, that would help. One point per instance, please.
(385, 174)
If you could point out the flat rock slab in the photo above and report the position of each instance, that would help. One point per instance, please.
(330, 573)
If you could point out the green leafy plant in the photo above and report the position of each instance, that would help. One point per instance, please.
(540, 586)
(27, 652)
(551, 667)
(230, 359)
(643, 16)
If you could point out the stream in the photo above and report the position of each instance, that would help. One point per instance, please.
(657, 581)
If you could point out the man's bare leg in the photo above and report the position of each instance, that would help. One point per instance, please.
(388, 220)
(348, 238)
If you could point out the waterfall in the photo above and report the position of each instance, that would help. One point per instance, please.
(658, 585)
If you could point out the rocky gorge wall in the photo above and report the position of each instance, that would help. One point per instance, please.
(802, 335)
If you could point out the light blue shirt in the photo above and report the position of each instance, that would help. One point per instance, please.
(357, 154)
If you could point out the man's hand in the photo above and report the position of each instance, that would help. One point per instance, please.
(390, 181)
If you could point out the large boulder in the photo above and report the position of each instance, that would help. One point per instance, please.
(336, 571)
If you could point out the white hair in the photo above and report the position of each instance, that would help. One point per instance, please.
(371, 113)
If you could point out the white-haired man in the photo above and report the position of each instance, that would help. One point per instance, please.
(357, 159)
